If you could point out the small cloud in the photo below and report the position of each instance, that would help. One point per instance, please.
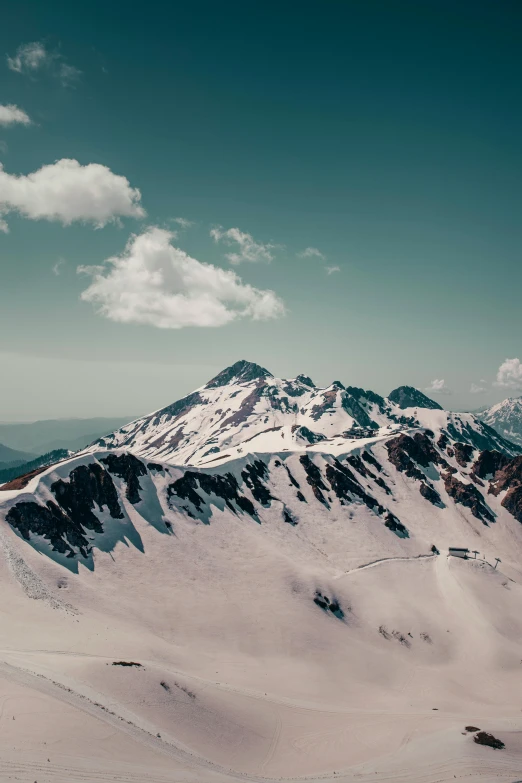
(4, 228)
(331, 269)
(29, 58)
(3, 147)
(68, 192)
(478, 388)
(68, 74)
(183, 222)
(509, 374)
(33, 58)
(312, 252)
(248, 248)
(58, 266)
(12, 115)
(438, 386)
(155, 283)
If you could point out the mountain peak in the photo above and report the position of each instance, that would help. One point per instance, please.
(410, 397)
(240, 372)
(306, 380)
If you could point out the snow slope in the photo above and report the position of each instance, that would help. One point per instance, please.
(286, 605)
(506, 418)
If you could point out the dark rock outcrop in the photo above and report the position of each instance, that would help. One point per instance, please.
(509, 477)
(253, 476)
(50, 522)
(346, 486)
(488, 462)
(240, 372)
(404, 451)
(410, 397)
(431, 494)
(395, 525)
(129, 468)
(463, 453)
(314, 478)
(65, 522)
(224, 487)
(469, 496)
(88, 486)
(368, 457)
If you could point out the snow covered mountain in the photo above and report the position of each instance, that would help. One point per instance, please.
(506, 418)
(245, 409)
(254, 584)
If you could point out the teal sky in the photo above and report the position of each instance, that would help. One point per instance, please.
(386, 135)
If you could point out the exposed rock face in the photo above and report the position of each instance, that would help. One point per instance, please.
(240, 372)
(410, 397)
(64, 523)
(368, 457)
(128, 468)
(314, 478)
(51, 523)
(308, 435)
(404, 451)
(88, 485)
(463, 453)
(431, 494)
(346, 486)
(306, 380)
(364, 397)
(488, 462)
(253, 476)
(469, 496)
(355, 409)
(509, 477)
(395, 525)
(224, 487)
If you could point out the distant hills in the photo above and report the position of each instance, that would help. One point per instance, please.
(40, 437)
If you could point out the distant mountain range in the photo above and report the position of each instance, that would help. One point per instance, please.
(505, 417)
(11, 457)
(40, 437)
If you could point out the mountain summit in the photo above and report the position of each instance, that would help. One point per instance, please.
(245, 409)
(240, 372)
(410, 397)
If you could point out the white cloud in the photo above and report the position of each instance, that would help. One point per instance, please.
(331, 269)
(58, 266)
(12, 115)
(312, 252)
(4, 228)
(438, 386)
(67, 74)
(152, 282)
(33, 58)
(478, 388)
(183, 222)
(248, 249)
(66, 192)
(30, 58)
(509, 374)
